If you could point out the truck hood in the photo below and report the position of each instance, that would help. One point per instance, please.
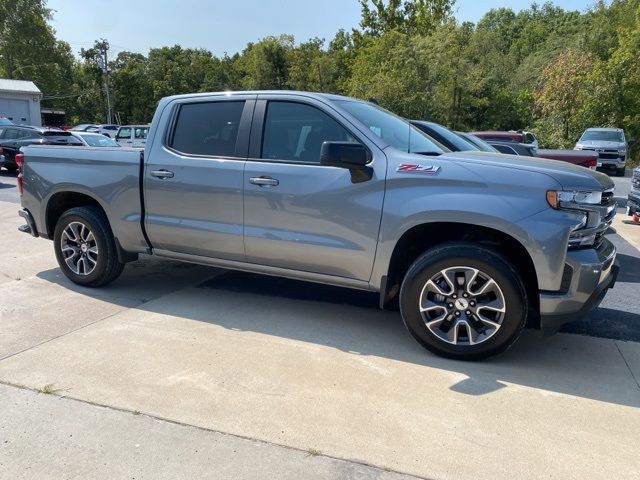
(601, 144)
(571, 177)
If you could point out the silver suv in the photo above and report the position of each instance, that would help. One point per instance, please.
(610, 144)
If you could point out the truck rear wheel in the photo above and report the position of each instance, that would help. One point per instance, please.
(463, 301)
(85, 247)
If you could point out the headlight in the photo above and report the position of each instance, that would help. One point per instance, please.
(622, 151)
(556, 198)
(582, 204)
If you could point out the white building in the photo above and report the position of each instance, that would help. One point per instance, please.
(20, 102)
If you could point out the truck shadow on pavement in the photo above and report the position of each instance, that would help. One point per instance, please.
(350, 321)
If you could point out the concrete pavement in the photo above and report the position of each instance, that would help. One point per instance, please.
(85, 441)
(305, 368)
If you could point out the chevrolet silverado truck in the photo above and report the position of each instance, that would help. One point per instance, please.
(328, 189)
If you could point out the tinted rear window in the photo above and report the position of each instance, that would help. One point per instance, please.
(209, 128)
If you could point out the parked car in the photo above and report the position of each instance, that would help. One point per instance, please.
(92, 139)
(83, 127)
(611, 146)
(338, 191)
(14, 137)
(585, 159)
(518, 136)
(132, 135)
(107, 130)
(446, 137)
(478, 142)
(513, 148)
(633, 205)
(5, 121)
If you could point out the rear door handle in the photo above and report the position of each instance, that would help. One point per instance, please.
(162, 173)
(264, 181)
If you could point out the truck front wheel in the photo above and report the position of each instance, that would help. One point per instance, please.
(463, 301)
(85, 247)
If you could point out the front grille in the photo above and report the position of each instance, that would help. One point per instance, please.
(604, 154)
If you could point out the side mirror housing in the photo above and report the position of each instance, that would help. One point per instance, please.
(344, 155)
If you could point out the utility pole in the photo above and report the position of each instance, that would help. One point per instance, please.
(103, 47)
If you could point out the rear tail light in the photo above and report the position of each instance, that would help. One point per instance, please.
(593, 163)
(19, 162)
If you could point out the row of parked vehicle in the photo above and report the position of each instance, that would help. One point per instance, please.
(126, 135)
(596, 148)
(14, 137)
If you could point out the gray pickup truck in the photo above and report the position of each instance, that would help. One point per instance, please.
(339, 191)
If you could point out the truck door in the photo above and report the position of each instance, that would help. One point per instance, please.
(193, 178)
(298, 214)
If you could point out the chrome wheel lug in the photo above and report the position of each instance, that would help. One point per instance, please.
(465, 295)
(450, 305)
(468, 312)
(457, 314)
(472, 303)
(454, 296)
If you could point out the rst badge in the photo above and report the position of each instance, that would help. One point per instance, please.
(417, 168)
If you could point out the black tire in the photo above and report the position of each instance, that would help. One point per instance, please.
(108, 267)
(486, 260)
(11, 168)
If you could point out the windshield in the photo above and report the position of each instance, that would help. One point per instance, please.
(99, 141)
(478, 142)
(398, 132)
(458, 142)
(603, 136)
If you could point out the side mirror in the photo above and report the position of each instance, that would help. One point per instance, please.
(344, 155)
(632, 142)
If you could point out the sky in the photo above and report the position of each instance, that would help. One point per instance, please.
(224, 26)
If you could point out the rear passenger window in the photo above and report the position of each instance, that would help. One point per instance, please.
(296, 132)
(124, 133)
(10, 134)
(207, 128)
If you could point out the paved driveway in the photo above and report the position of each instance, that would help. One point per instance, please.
(230, 375)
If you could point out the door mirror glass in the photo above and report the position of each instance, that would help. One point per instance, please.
(344, 155)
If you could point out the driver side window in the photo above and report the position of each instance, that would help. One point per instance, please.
(295, 132)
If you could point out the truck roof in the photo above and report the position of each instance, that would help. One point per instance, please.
(320, 96)
(604, 129)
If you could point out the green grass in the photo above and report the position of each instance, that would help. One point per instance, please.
(49, 389)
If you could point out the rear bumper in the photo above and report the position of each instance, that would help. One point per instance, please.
(30, 227)
(592, 273)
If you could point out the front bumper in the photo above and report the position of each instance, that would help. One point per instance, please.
(589, 274)
(633, 204)
(611, 162)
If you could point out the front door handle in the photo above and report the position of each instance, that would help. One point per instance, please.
(264, 181)
(162, 174)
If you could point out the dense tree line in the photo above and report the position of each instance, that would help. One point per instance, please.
(544, 68)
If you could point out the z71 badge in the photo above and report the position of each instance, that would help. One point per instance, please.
(417, 168)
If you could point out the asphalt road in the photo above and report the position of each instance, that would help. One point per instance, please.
(616, 318)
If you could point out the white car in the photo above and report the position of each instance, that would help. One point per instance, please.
(92, 139)
(133, 135)
(108, 130)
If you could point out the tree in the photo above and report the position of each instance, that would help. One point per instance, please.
(29, 49)
(560, 96)
(264, 64)
(409, 16)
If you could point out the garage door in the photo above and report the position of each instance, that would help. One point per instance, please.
(15, 110)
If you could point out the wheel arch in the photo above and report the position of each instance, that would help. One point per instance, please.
(61, 201)
(420, 238)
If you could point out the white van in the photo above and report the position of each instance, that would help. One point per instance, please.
(132, 135)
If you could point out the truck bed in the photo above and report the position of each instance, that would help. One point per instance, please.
(108, 176)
